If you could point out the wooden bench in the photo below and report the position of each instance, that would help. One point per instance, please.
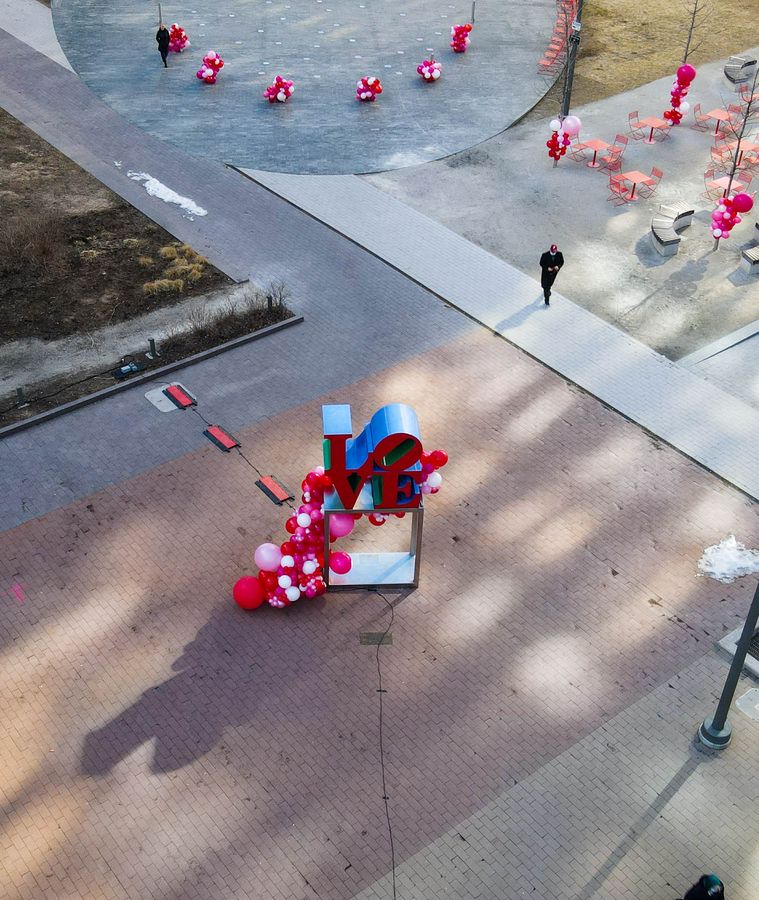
(750, 259)
(665, 225)
(738, 69)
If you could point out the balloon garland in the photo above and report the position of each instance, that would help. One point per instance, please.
(460, 37)
(212, 65)
(726, 215)
(558, 145)
(295, 568)
(368, 88)
(430, 70)
(280, 90)
(685, 75)
(178, 40)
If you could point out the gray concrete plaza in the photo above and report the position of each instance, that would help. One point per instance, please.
(324, 46)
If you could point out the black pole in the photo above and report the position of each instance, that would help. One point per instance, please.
(574, 43)
(716, 732)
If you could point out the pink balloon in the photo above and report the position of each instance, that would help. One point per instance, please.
(340, 562)
(571, 125)
(686, 73)
(340, 525)
(268, 557)
(743, 202)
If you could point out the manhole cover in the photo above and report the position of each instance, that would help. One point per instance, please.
(375, 637)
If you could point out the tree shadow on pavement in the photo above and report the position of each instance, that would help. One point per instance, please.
(675, 784)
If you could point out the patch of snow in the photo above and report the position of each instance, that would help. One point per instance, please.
(728, 560)
(157, 189)
(117, 163)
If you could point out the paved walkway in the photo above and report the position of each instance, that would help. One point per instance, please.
(324, 47)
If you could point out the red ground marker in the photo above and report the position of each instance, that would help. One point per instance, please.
(179, 396)
(222, 439)
(274, 490)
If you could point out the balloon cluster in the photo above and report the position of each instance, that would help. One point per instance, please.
(727, 214)
(680, 87)
(368, 88)
(558, 145)
(430, 70)
(295, 568)
(212, 64)
(280, 90)
(178, 40)
(460, 37)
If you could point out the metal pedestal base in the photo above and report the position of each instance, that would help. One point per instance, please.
(715, 740)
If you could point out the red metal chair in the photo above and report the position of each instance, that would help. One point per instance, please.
(580, 152)
(637, 131)
(620, 140)
(647, 190)
(702, 123)
(619, 192)
(711, 193)
(721, 156)
(612, 160)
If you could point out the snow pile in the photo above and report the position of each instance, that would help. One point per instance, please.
(728, 560)
(157, 189)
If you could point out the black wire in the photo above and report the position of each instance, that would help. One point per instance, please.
(380, 691)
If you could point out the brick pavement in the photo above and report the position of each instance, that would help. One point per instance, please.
(161, 743)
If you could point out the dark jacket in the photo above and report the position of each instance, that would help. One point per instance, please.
(708, 887)
(162, 36)
(547, 278)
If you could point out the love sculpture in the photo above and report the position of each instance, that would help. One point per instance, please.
(380, 473)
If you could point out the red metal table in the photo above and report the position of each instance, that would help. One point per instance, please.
(636, 178)
(595, 145)
(654, 123)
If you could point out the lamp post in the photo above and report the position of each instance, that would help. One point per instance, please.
(574, 43)
(715, 731)
(725, 562)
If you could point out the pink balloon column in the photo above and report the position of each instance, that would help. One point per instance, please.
(460, 37)
(430, 70)
(727, 214)
(279, 91)
(368, 88)
(212, 65)
(178, 40)
(685, 75)
(295, 568)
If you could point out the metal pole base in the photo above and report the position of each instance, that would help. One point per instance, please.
(715, 740)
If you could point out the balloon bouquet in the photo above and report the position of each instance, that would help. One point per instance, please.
(726, 215)
(430, 70)
(685, 75)
(295, 568)
(280, 90)
(460, 37)
(178, 40)
(558, 145)
(212, 65)
(368, 88)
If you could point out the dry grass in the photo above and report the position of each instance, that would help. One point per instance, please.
(163, 286)
(145, 261)
(29, 242)
(626, 43)
(169, 252)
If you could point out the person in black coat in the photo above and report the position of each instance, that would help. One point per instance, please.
(708, 887)
(162, 36)
(550, 263)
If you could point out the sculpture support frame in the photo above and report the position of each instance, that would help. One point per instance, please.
(391, 571)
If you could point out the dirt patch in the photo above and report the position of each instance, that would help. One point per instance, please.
(75, 257)
(203, 330)
(626, 43)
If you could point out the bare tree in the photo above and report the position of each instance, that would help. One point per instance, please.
(699, 11)
(744, 115)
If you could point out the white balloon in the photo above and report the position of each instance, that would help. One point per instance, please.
(304, 520)
(554, 124)
(284, 581)
(436, 74)
(287, 562)
(434, 479)
(281, 96)
(684, 107)
(309, 567)
(292, 593)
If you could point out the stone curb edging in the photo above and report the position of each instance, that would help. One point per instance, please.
(149, 376)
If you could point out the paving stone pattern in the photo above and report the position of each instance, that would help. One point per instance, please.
(325, 46)
(159, 742)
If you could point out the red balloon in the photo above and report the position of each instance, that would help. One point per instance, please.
(248, 593)
(340, 562)
(438, 458)
(287, 548)
(291, 524)
(268, 581)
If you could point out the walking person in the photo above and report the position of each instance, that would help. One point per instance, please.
(708, 887)
(162, 36)
(550, 263)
